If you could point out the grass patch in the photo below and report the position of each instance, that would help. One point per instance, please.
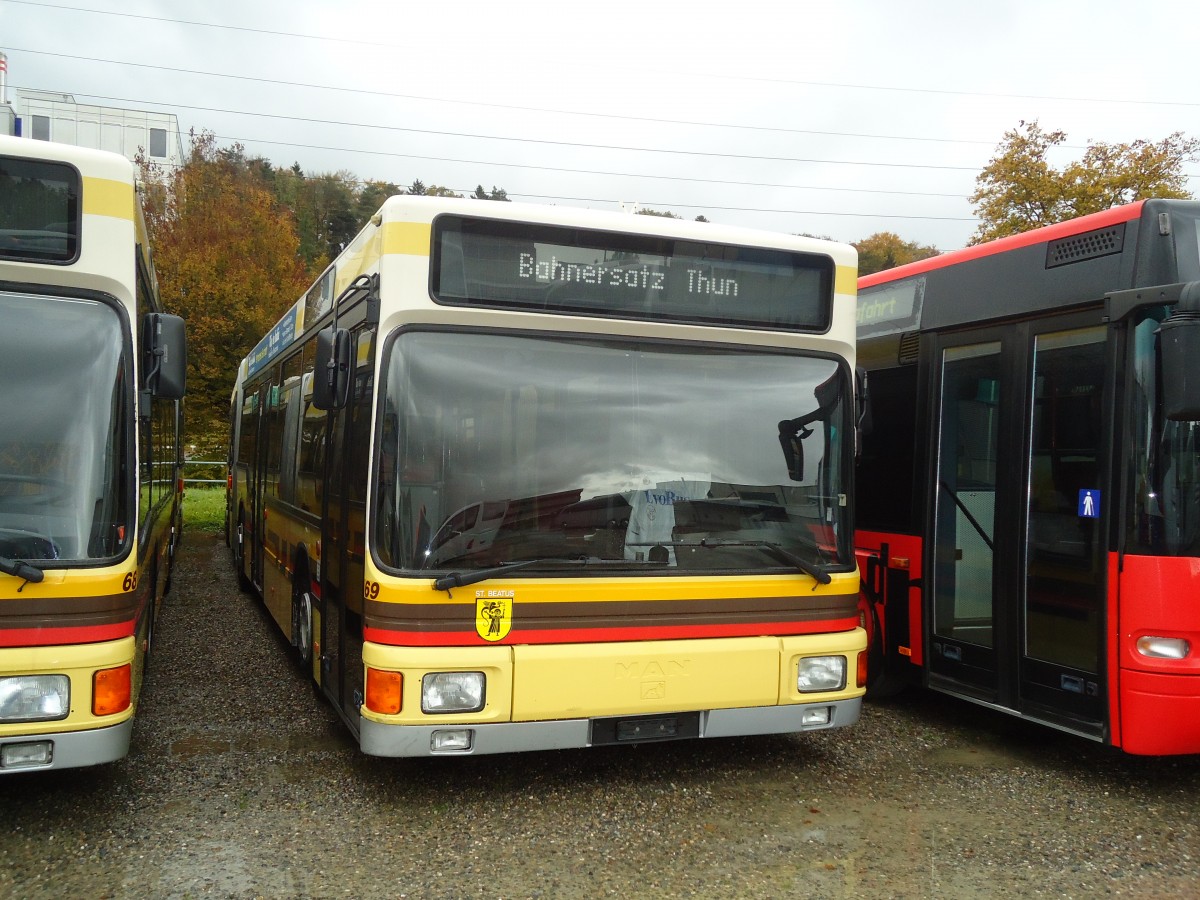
(204, 509)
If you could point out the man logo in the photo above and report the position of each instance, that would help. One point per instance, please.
(493, 617)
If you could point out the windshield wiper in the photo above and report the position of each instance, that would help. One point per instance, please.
(779, 552)
(21, 569)
(462, 579)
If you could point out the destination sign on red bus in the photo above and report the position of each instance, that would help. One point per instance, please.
(549, 268)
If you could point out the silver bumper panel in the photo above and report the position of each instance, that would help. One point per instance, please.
(377, 739)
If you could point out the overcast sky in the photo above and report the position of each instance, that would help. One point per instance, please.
(837, 118)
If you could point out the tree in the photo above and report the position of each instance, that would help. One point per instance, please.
(371, 195)
(665, 214)
(496, 194)
(330, 205)
(227, 258)
(1019, 189)
(885, 250)
(417, 188)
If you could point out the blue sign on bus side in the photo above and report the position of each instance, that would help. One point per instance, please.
(276, 339)
(1089, 503)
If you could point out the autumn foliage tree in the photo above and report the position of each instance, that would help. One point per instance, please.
(886, 250)
(1019, 189)
(227, 257)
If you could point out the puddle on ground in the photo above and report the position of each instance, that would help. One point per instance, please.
(199, 746)
(971, 757)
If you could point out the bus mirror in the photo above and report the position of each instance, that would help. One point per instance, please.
(165, 359)
(331, 376)
(863, 397)
(1179, 343)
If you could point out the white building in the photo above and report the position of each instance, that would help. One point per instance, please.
(47, 116)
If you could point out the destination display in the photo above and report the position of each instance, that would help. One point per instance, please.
(490, 262)
(892, 309)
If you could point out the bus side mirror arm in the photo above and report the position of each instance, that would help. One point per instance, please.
(1119, 305)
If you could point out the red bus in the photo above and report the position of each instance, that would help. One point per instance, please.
(1029, 488)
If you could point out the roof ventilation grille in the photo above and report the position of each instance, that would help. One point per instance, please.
(1080, 247)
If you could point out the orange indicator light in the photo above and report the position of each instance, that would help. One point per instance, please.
(111, 691)
(383, 691)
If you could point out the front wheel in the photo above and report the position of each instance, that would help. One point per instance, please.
(302, 618)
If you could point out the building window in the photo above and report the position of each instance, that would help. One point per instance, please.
(41, 128)
(158, 142)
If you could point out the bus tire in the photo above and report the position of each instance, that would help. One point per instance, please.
(176, 537)
(151, 616)
(302, 614)
(239, 554)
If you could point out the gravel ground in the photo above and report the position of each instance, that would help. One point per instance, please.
(241, 784)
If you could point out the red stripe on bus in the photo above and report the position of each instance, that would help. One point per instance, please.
(49, 637)
(1081, 225)
(607, 635)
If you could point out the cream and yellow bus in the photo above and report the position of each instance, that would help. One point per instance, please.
(513, 477)
(91, 376)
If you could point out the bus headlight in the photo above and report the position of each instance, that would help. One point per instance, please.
(1163, 647)
(34, 698)
(452, 692)
(821, 673)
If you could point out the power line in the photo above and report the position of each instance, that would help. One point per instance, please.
(222, 26)
(481, 136)
(709, 74)
(656, 204)
(392, 95)
(800, 212)
(527, 109)
(398, 128)
(536, 168)
(523, 140)
(732, 156)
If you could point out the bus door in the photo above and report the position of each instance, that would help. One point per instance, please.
(1017, 563)
(258, 482)
(344, 540)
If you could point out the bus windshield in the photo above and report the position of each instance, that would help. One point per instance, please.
(499, 448)
(62, 482)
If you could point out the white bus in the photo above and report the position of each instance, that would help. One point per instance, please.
(515, 477)
(91, 375)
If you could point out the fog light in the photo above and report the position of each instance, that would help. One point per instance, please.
(817, 715)
(26, 755)
(452, 692)
(821, 673)
(1163, 647)
(457, 741)
(34, 698)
